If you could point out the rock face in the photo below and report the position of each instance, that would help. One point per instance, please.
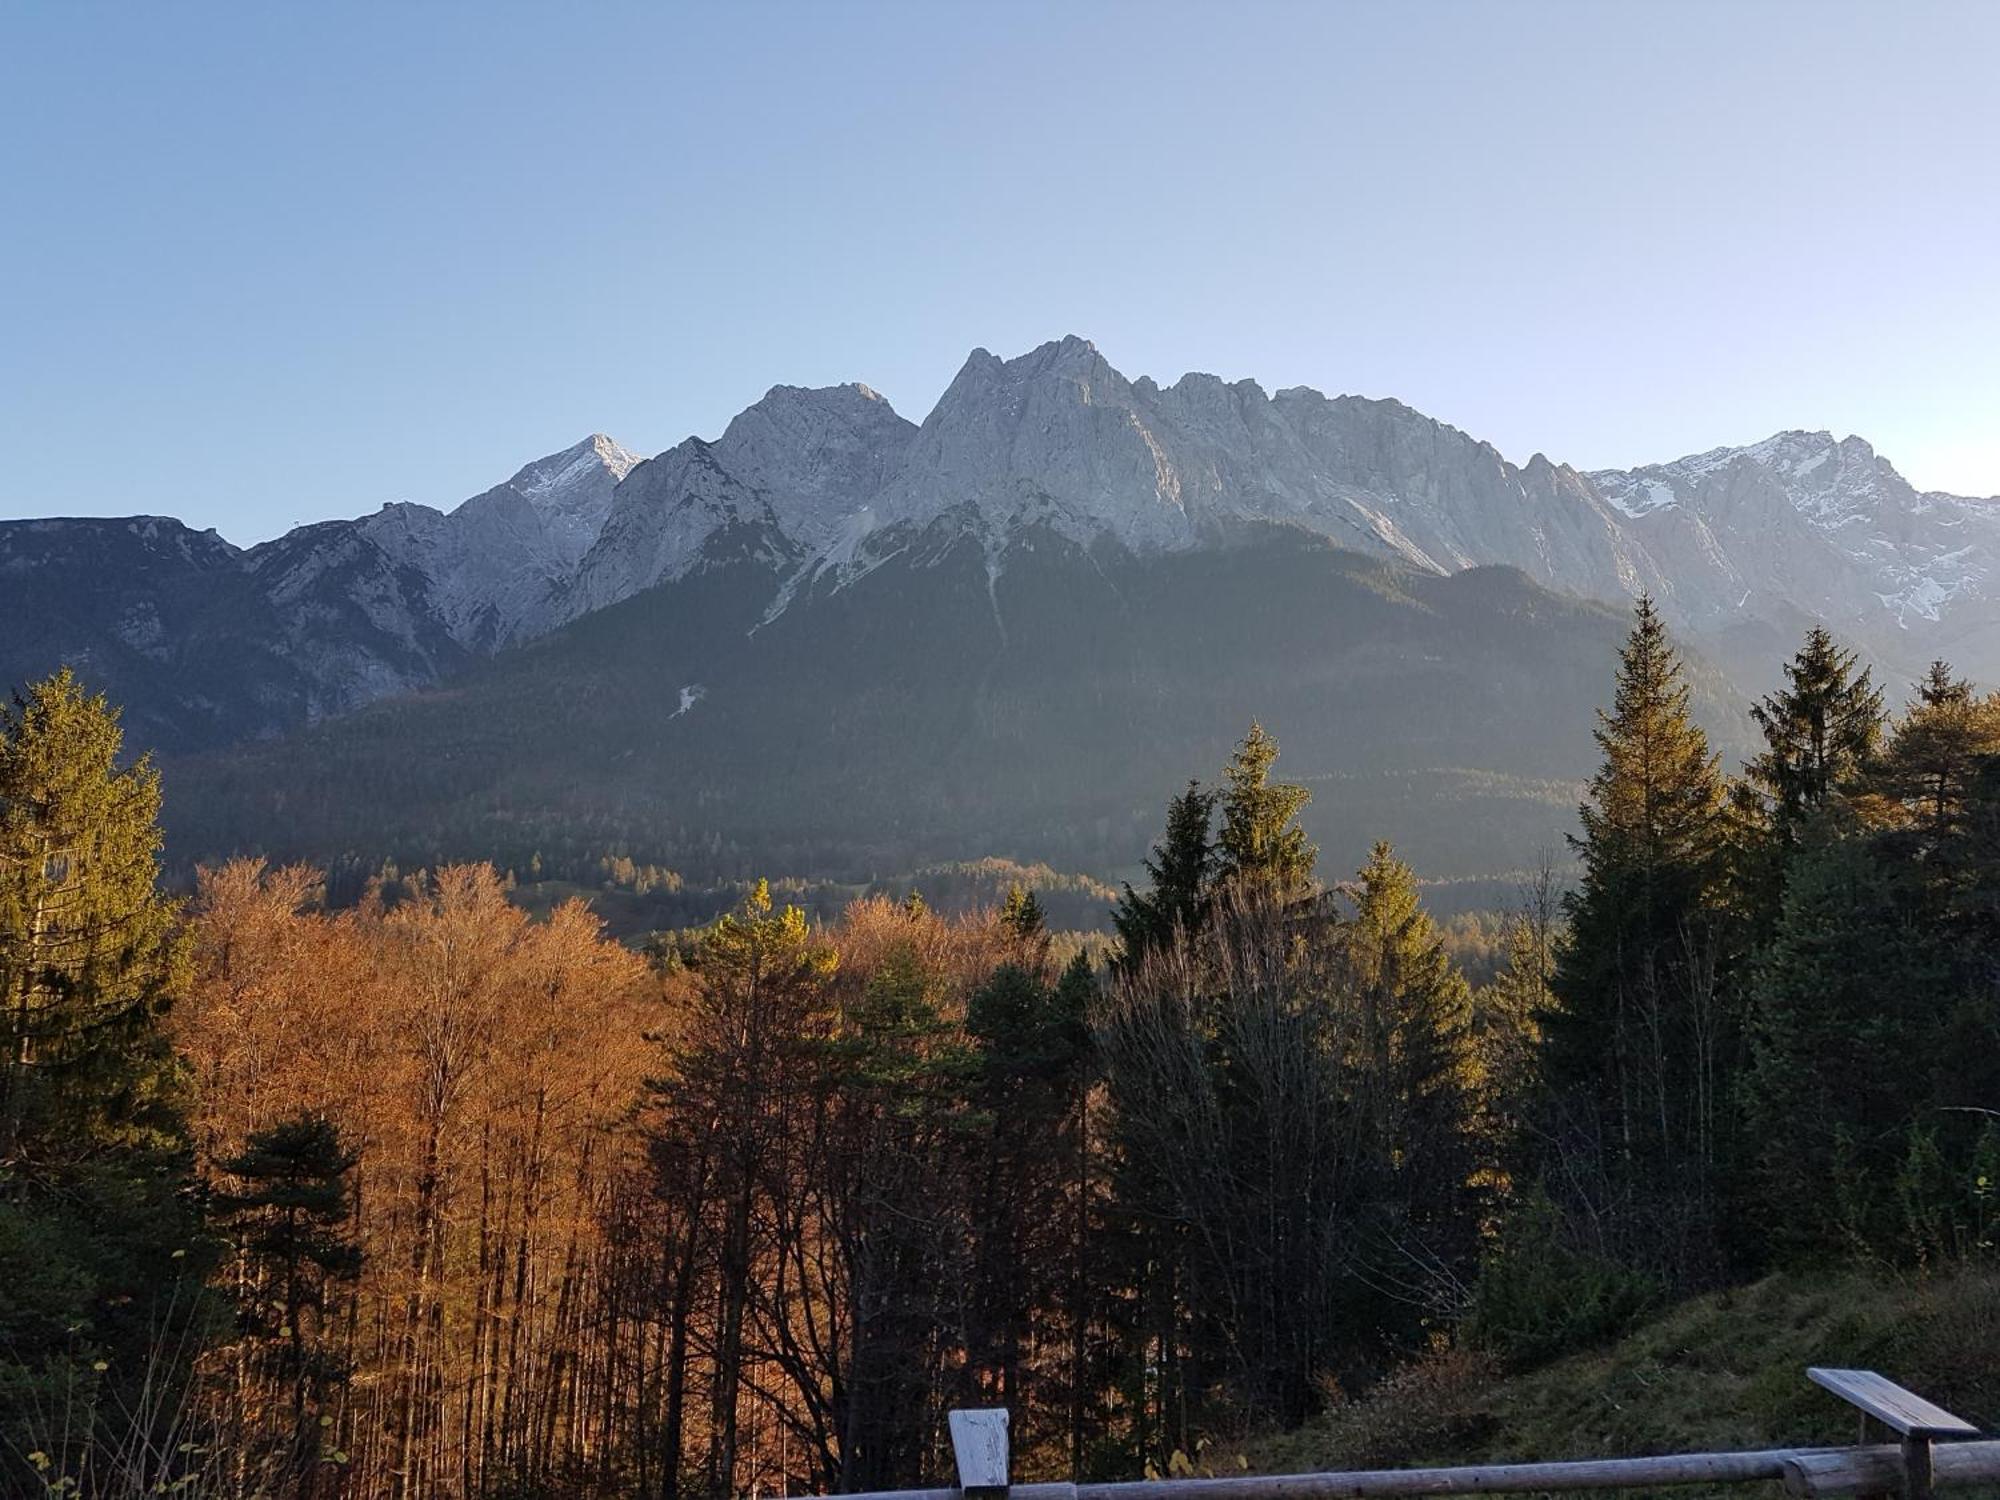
(817, 489)
(787, 479)
(491, 567)
(1804, 526)
(206, 643)
(1741, 546)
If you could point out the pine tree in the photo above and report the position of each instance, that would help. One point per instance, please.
(901, 1074)
(1848, 1004)
(1261, 846)
(95, 1231)
(1820, 732)
(1934, 753)
(1507, 1020)
(1182, 868)
(90, 953)
(1022, 914)
(1024, 1301)
(1416, 1073)
(290, 1222)
(1638, 1049)
(753, 1048)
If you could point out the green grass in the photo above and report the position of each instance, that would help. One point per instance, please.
(1723, 1371)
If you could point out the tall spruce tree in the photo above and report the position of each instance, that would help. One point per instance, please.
(288, 1212)
(1507, 1017)
(1849, 1001)
(901, 1072)
(99, 1248)
(1262, 847)
(1638, 1051)
(1415, 1080)
(1022, 915)
(1822, 732)
(1182, 868)
(1023, 1302)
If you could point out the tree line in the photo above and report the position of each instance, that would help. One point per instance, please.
(1771, 1031)
(422, 1197)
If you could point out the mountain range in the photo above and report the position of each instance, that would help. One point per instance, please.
(1053, 542)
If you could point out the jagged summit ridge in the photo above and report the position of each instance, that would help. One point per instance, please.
(809, 490)
(1057, 441)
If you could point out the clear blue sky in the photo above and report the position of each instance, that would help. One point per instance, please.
(266, 263)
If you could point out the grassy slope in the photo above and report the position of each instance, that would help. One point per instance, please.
(1722, 1371)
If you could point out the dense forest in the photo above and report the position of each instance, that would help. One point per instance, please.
(424, 1195)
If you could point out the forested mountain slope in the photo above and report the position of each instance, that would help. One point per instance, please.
(929, 708)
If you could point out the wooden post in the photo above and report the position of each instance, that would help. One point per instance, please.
(1917, 1423)
(1919, 1472)
(979, 1443)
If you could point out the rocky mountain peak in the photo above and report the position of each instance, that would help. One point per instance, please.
(814, 456)
(815, 487)
(575, 481)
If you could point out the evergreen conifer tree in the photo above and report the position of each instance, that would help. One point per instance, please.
(1261, 846)
(1022, 914)
(1028, 1235)
(1848, 1005)
(1182, 867)
(1934, 753)
(1507, 1020)
(98, 1245)
(1416, 1079)
(1822, 733)
(290, 1221)
(1638, 1049)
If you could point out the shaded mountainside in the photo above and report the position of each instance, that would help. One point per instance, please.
(163, 619)
(931, 709)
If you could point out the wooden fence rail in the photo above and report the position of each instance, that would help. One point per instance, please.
(1933, 1450)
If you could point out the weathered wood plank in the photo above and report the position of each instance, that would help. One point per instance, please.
(1879, 1469)
(1804, 1472)
(1903, 1412)
(1588, 1474)
(979, 1443)
(1479, 1479)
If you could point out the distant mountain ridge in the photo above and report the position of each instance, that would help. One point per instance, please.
(207, 643)
(821, 487)
(1758, 540)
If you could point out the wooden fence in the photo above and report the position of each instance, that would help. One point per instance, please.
(1908, 1447)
